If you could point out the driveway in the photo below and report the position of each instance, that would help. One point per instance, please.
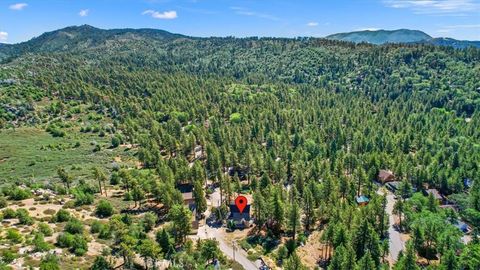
(396, 244)
(212, 231)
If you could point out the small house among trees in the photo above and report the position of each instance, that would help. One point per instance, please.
(189, 201)
(362, 200)
(385, 176)
(239, 220)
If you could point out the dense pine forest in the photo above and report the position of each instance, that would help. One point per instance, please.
(111, 123)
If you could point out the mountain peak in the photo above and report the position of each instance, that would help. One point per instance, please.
(382, 36)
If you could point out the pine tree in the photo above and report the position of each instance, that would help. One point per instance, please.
(294, 219)
(199, 196)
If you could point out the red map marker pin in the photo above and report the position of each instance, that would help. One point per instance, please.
(241, 203)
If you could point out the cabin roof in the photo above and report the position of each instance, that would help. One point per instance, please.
(362, 199)
(386, 175)
(234, 209)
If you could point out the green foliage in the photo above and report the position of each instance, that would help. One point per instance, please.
(149, 221)
(14, 236)
(49, 262)
(209, 249)
(74, 226)
(235, 118)
(166, 242)
(104, 209)
(56, 131)
(101, 263)
(18, 194)
(39, 244)
(9, 213)
(62, 216)
(8, 256)
(76, 243)
(24, 217)
(181, 218)
(45, 229)
(83, 198)
(3, 202)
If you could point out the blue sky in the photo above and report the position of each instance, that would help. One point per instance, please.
(21, 20)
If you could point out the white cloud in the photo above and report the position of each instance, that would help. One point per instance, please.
(18, 6)
(83, 12)
(3, 36)
(312, 24)
(166, 15)
(445, 7)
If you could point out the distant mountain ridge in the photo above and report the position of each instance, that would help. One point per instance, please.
(406, 36)
(382, 36)
(75, 38)
(82, 38)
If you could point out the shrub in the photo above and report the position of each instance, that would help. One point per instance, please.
(82, 198)
(3, 202)
(8, 256)
(14, 236)
(74, 226)
(39, 243)
(115, 141)
(9, 213)
(45, 229)
(114, 179)
(24, 217)
(80, 245)
(96, 226)
(105, 232)
(104, 209)
(97, 148)
(101, 263)
(49, 262)
(235, 118)
(62, 216)
(55, 131)
(19, 194)
(65, 240)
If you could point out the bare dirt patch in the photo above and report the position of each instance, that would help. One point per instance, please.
(313, 249)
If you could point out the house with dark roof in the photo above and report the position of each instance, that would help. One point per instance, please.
(189, 201)
(385, 176)
(240, 220)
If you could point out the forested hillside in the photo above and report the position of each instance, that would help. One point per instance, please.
(309, 122)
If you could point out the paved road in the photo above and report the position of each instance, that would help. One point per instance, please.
(217, 233)
(396, 243)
